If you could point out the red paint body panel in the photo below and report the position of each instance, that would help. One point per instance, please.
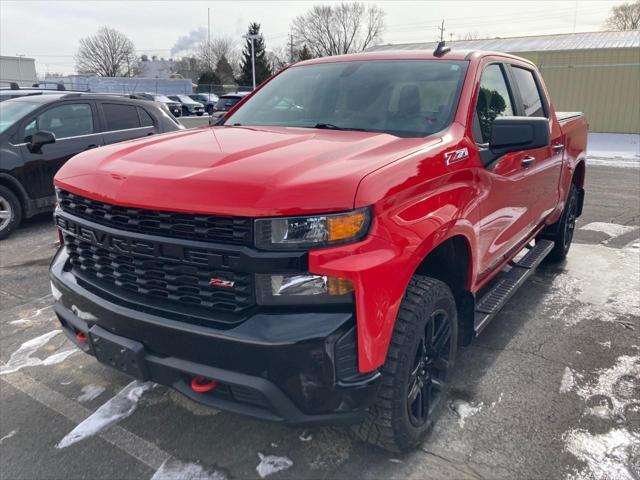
(418, 199)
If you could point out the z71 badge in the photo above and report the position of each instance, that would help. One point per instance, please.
(456, 156)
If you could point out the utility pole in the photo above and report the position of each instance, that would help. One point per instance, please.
(451, 36)
(442, 29)
(290, 47)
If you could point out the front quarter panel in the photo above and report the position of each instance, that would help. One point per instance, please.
(419, 202)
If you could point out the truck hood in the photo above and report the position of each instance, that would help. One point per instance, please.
(238, 171)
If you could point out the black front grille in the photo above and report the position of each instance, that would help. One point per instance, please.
(186, 226)
(161, 284)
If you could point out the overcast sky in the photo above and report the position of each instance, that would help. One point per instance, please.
(49, 31)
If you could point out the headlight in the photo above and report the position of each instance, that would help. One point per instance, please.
(302, 288)
(300, 233)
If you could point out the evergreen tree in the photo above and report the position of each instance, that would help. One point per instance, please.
(304, 53)
(224, 71)
(263, 70)
(208, 78)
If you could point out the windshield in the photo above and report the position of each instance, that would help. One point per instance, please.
(162, 98)
(408, 98)
(11, 112)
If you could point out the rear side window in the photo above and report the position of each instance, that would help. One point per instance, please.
(120, 117)
(531, 99)
(64, 121)
(145, 118)
(493, 101)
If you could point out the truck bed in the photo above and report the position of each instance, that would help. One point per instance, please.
(566, 116)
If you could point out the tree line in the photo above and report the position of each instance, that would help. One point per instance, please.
(324, 30)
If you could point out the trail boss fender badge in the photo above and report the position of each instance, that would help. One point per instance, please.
(456, 156)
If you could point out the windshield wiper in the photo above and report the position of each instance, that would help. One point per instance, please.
(331, 126)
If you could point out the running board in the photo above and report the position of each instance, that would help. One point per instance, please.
(508, 282)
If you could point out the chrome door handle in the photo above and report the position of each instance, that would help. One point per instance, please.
(558, 147)
(527, 161)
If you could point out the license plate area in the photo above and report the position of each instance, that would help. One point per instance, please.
(120, 353)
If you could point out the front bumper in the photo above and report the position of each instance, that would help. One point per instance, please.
(290, 367)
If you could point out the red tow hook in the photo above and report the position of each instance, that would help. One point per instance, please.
(81, 337)
(203, 385)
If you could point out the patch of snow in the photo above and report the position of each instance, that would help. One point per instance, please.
(306, 436)
(123, 404)
(609, 229)
(568, 380)
(618, 386)
(606, 344)
(90, 392)
(613, 146)
(395, 460)
(8, 436)
(23, 357)
(465, 410)
(176, 470)
(82, 315)
(57, 294)
(607, 455)
(31, 316)
(633, 245)
(270, 464)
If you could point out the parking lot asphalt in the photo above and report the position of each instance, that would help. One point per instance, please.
(551, 389)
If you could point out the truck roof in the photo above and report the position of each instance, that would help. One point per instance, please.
(409, 55)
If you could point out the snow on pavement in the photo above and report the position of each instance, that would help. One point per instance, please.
(614, 149)
(123, 404)
(177, 470)
(23, 357)
(270, 464)
(90, 392)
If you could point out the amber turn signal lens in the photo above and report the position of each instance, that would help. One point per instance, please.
(339, 286)
(342, 227)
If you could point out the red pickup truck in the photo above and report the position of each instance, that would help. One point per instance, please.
(318, 256)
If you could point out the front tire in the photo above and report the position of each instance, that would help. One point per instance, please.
(413, 387)
(10, 212)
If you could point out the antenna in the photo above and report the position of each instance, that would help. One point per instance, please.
(441, 49)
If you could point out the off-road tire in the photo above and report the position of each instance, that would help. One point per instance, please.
(9, 202)
(388, 423)
(563, 229)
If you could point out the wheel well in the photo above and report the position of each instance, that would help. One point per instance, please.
(450, 262)
(578, 175)
(14, 186)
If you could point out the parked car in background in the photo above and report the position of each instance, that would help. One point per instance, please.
(38, 134)
(209, 100)
(174, 107)
(189, 106)
(226, 102)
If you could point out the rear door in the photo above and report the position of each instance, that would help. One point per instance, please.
(543, 171)
(124, 121)
(75, 125)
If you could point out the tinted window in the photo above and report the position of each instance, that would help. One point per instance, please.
(493, 101)
(225, 103)
(63, 121)
(145, 118)
(120, 117)
(529, 92)
(409, 98)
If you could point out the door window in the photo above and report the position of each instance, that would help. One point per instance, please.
(531, 100)
(120, 117)
(145, 118)
(64, 121)
(493, 101)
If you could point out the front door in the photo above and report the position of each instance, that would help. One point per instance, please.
(75, 128)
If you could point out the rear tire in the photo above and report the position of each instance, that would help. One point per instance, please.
(421, 353)
(564, 228)
(10, 212)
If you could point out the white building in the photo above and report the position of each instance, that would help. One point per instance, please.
(21, 70)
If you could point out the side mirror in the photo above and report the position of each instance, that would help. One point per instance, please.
(39, 139)
(510, 134)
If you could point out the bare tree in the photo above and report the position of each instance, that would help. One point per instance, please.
(209, 53)
(337, 29)
(624, 17)
(471, 36)
(107, 53)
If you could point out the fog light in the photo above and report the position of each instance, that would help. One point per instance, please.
(307, 288)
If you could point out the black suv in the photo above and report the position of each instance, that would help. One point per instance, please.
(38, 134)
